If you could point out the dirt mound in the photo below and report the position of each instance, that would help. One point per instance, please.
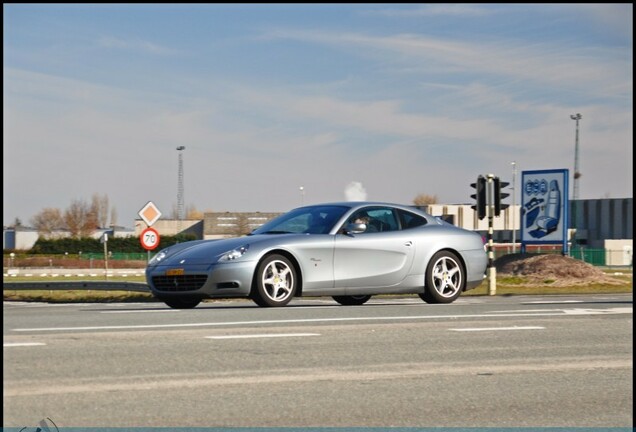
(553, 268)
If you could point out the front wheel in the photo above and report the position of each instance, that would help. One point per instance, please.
(275, 282)
(352, 300)
(445, 278)
(182, 303)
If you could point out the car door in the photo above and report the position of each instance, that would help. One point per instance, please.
(373, 260)
(315, 255)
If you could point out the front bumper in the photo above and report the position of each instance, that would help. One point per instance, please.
(231, 279)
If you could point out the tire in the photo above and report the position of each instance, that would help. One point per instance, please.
(182, 303)
(352, 300)
(274, 282)
(445, 278)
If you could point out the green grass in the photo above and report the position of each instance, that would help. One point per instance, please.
(516, 285)
(520, 289)
(75, 296)
(505, 286)
(73, 278)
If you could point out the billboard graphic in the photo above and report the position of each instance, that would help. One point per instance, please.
(544, 207)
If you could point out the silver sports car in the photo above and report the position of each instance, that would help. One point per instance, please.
(349, 251)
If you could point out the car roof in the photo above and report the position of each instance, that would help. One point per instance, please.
(357, 204)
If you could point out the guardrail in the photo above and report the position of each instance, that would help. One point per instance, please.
(67, 285)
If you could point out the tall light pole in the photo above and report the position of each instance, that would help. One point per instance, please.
(180, 203)
(577, 174)
(302, 195)
(514, 209)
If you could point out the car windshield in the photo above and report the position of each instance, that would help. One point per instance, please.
(304, 220)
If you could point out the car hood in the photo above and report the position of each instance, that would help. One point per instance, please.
(203, 252)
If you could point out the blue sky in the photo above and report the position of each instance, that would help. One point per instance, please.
(399, 99)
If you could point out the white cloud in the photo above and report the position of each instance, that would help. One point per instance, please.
(134, 45)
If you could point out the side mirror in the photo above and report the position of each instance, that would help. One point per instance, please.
(355, 228)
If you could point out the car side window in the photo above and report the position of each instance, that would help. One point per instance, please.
(410, 220)
(384, 219)
(377, 219)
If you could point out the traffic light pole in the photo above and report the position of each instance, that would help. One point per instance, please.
(488, 203)
(490, 207)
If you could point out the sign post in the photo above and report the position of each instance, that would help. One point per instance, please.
(149, 237)
(105, 241)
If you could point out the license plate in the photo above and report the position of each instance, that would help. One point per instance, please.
(174, 272)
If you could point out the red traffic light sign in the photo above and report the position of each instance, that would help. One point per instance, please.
(149, 238)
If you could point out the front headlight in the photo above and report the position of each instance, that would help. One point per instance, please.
(234, 254)
(159, 257)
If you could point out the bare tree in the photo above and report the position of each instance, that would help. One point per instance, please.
(80, 220)
(99, 207)
(425, 199)
(48, 220)
(192, 213)
(113, 216)
(242, 226)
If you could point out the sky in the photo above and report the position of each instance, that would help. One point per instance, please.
(279, 105)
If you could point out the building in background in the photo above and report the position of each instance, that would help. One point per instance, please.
(602, 224)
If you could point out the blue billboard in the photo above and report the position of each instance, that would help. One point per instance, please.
(544, 208)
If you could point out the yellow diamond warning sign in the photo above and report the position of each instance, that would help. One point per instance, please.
(150, 213)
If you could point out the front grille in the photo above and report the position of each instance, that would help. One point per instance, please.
(179, 283)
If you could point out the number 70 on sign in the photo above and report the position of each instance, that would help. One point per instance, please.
(149, 238)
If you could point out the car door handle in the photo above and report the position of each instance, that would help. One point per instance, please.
(408, 243)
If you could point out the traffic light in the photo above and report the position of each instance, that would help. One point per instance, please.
(499, 196)
(479, 196)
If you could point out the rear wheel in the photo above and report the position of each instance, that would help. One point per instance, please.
(182, 303)
(445, 278)
(275, 282)
(352, 300)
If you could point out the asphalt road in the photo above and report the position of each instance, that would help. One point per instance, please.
(519, 361)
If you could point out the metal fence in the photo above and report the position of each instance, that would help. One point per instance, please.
(596, 257)
(80, 285)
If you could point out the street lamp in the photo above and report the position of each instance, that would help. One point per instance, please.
(577, 174)
(180, 203)
(514, 210)
(302, 195)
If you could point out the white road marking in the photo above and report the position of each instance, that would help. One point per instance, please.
(525, 311)
(497, 329)
(554, 301)
(263, 336)
(22, 344)
(140, 311)
(596, 311)
(562, 313)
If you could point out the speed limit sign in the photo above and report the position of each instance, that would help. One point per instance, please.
(149, 238)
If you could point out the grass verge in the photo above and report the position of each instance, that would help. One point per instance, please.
(504, 286)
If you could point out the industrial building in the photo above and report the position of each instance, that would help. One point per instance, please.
(600, 224)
